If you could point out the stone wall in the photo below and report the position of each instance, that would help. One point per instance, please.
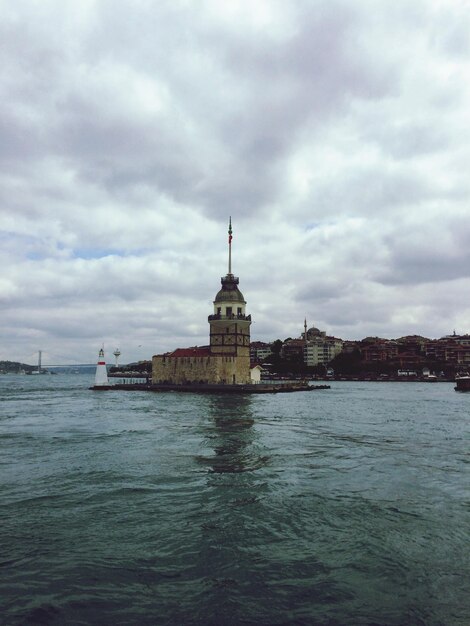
(201, 369)
(233, 369)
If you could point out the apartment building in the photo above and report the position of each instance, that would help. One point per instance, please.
(259, 351)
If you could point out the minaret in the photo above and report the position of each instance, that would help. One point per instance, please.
(229, 324)
(305, 341)
(101, 376)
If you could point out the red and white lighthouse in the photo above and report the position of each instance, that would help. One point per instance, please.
(101, 376)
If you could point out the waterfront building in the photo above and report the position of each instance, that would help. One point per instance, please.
(227, 358)
(255, 374)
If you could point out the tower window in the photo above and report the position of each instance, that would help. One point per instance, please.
(219, 310)
(229, 310)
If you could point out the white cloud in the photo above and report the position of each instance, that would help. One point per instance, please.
(335, 134)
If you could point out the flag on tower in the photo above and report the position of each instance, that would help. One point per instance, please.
(230, 231)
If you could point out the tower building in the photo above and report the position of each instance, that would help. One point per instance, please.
(229, 324)
(227, 358)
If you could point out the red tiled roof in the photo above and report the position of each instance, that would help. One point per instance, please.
(190, 352)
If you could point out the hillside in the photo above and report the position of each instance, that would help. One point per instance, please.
(13, 367)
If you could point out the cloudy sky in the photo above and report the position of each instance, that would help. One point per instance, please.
(335, 133)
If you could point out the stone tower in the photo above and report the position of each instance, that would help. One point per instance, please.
(227, 359)
(229, 324)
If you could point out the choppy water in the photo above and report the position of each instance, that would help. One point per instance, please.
(347, 506)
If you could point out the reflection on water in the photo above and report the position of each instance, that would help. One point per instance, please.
(231, 435)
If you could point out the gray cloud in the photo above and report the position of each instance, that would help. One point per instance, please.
(334, 134)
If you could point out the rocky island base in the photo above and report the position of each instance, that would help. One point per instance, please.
(214, 388)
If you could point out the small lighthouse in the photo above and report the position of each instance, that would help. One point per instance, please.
(117, 354)
(101, 376)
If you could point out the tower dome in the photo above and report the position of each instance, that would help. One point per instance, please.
(230, 291)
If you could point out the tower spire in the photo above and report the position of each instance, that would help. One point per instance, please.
(230, 245)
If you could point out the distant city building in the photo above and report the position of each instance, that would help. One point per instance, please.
(350, 346)
(322, 350)
(414, 351)
(319, 348)
(378, 349)
(293, 349)
(260, 351)
(453, 349)
(315, 347)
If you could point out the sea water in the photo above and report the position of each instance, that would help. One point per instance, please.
(340, 506)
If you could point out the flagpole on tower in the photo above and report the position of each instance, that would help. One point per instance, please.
(230, 245)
